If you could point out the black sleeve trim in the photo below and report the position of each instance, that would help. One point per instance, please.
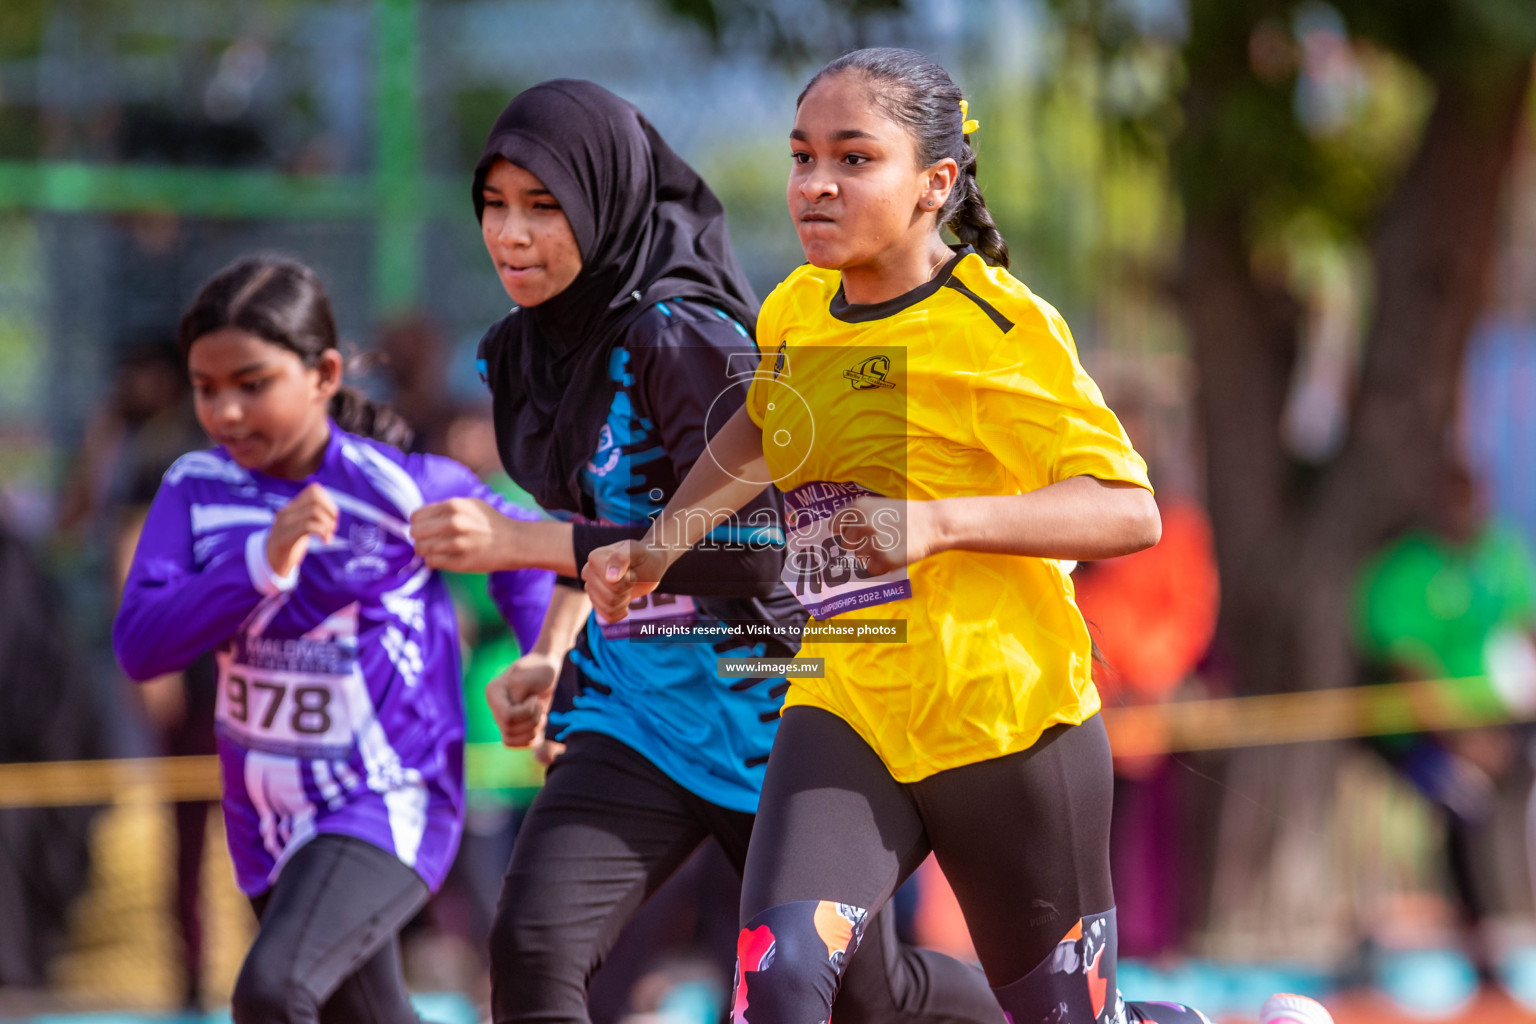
(587, 537)
(1003, 323)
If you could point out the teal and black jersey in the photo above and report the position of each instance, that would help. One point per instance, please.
(675, 380)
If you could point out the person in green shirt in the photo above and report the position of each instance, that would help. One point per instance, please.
(1442, 600)
(1454, 599)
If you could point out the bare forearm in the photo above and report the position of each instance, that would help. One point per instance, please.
(544, 544)
(1081, 518)
(568, 609)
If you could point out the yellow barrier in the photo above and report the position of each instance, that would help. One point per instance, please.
(1223, 723)
(57, 783)
(1438, 705)
(172, 779)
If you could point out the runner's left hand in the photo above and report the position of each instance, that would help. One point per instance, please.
(887, 533)
(618, 573)
(463, 535)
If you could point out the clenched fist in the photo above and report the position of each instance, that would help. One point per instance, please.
(463, 535)
(519, 698)
(311, 513)
(886, 533)
(616, 574)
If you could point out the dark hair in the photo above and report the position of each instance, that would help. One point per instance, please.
(283, 302)
(919, 95)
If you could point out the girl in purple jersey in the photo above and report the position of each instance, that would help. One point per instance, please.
(340, 716)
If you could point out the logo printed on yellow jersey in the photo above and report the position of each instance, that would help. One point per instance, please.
(870, 374)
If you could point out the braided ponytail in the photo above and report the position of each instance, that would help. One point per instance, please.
(918, 94)
(969, 217)
(283, 302)
(357, 414)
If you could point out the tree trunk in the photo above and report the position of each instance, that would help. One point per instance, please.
(1290, 539)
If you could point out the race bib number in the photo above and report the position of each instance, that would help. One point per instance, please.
(825, 577)
(654, 615)
(287, 697)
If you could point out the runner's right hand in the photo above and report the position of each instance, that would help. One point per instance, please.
(310, 513)
(519, 698)
(617, 574)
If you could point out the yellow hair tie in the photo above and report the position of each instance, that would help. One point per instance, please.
(967, 126)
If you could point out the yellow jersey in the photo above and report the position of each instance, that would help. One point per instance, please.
(967, 385)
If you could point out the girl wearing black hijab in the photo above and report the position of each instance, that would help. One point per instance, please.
(624, 352)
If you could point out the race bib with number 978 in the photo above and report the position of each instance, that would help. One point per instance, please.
(289, 699)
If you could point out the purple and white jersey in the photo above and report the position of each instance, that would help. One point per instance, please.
(340, 705)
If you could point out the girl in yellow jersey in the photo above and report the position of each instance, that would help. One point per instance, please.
(941, 452)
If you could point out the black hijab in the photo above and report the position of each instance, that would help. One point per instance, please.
(648, 229)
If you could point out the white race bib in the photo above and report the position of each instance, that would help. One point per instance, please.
(824, 576)
(287, 697)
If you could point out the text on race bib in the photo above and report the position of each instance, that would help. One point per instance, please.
(826, 577)
(287, 697)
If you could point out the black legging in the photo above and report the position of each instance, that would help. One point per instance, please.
(1023, 839)
(327, 947)
(604, 833)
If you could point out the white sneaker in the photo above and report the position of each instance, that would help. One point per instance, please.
(1284, 1008)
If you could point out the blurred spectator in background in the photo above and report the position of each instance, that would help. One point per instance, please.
(413, 356)
(145, 425)
(1498, 404)
(1455, 598)
(46, 714)
(180, 710)
(1153, 613)
(1152, 616)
